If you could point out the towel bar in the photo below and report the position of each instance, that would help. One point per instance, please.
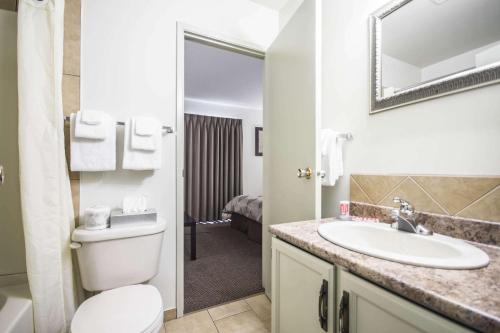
(166, 129)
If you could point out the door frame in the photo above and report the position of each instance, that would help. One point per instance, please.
(186, 31)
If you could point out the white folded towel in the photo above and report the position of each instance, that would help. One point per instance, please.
(140, 159)
(146, 133)
(92, 128)
(91, 154)
(91, 117)
(331, 156)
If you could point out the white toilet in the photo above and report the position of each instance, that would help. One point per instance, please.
(116, 261)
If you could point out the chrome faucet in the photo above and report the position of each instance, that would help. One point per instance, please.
(404, 218)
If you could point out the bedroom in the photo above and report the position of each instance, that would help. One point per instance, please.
(223, 170)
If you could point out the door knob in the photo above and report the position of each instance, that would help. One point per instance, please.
(305, 173)
(2, 175)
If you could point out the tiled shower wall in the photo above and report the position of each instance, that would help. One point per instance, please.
(467, 197)
(71, 81)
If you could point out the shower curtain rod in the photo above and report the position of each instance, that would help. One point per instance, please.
(165, 129)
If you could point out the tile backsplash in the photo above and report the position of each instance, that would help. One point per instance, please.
(459, 196)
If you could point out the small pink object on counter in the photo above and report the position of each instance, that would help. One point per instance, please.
(344, 210)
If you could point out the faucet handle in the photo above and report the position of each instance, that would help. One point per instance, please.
(404, 206)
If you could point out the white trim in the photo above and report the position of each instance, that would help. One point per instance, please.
(218, 40)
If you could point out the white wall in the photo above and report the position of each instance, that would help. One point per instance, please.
(12, 255)
(456, 134)
(129, 68)
(252, 165)
(398, 74)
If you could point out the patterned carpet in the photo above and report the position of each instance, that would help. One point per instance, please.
(228, 267)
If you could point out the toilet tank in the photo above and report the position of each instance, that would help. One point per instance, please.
(118, 256)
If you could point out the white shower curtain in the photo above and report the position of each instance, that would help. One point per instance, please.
(45, 190)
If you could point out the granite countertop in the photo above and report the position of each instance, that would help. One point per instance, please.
(470, 297)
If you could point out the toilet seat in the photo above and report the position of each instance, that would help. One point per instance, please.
(130, 309)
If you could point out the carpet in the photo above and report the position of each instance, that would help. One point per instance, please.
(228, 267)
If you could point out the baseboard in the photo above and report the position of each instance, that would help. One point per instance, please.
(169, 315)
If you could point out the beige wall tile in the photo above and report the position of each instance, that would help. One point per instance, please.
(199, 322)
(226, 310)
(246, 322)
(357, 194)
(8, 5)
(456, 193)
(75, 194)
(170, 315)
(71, 94)
(72, 14)
(486, 208)
(411, 192)
(261, 305)
(377, 187)
(73, 175)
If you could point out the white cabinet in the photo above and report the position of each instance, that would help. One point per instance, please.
(304, 288)
(363, 307)
(302, 291)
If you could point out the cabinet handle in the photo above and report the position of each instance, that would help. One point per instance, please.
(323, 306)
(344, 313)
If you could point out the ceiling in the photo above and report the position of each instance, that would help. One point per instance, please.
(220, 76)
(422, 32)
(271, 4)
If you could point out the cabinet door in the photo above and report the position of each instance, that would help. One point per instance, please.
(368, 308)
(302, 291)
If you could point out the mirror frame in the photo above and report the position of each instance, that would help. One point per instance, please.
(454, 83)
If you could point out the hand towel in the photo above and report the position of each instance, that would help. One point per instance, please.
(92, 129)
(139, 159)
(331, 156)
(91, 117)
(146, 133)
(91, 154)
(145, 126)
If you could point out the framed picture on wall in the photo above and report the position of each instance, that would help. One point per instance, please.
(259, 143)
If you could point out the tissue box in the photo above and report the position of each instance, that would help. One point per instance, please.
(119, 218)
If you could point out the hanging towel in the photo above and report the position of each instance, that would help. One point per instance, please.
(92, 154)
(140, 159)
(331, 156)
(92, 128)
(91, 117)
(146, 134)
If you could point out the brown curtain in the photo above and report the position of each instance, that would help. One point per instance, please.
(213, 153)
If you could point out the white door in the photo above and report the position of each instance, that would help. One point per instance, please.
(291, 117)
(303, 291)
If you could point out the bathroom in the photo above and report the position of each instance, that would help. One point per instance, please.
(420, 156)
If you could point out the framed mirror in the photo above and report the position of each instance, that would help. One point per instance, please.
(422, 49)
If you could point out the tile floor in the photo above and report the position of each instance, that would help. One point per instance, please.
(250, 315)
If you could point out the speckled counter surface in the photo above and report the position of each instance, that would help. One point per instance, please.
(470, 297)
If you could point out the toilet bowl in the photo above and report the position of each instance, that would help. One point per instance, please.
(116, 262)
(130, 309)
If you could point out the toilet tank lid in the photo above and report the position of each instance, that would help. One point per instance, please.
(83, 235)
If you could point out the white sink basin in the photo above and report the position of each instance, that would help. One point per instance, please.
(381, 241)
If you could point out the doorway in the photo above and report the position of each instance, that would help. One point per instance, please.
(219, 183)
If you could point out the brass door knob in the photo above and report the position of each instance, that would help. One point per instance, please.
(305, 173)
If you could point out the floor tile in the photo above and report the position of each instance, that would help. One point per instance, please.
(261, 305)
(245, 322)
(226, 310)
(199, 322)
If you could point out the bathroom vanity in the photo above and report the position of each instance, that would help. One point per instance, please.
(318, 286)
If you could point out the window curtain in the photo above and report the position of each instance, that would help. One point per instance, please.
(213, 169)
(46, 205)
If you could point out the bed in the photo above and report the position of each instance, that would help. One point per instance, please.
(245, 213)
